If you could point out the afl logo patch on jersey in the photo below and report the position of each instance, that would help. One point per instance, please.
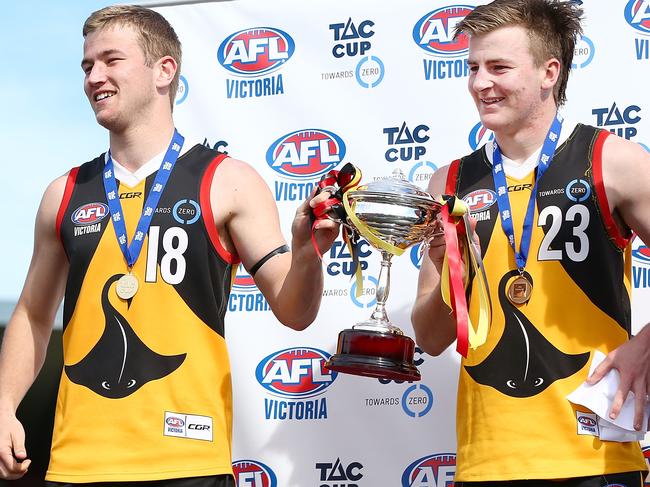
(480, 200)
(89, 213)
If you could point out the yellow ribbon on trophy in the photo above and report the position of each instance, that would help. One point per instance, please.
(365, 231)
(453, 282)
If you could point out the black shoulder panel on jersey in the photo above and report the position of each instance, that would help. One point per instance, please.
(80, 247)
(568, 185)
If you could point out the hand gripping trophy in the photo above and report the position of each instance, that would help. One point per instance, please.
(393, 215)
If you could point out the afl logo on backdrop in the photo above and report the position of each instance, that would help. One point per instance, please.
(305, 154)
(243, 281)
(89, 213)
(436, 469)
(435, 31)
(641, 253)
(295, 372)
(479, 136)
(251, 473)
(256, 51)
(637, 14)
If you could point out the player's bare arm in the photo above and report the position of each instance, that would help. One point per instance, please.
(433, 323)
(248, 223)
(28, 331)
(626, 176)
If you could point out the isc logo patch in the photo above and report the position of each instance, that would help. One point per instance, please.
(256, 51)
(295, 372)
(251, 473)
(436, 469)
(305, 154)
(89, 213)
(637, 14)
(435, 31)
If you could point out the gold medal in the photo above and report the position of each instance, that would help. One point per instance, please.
(519, 290)
(127, 286)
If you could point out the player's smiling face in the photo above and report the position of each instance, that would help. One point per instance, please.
(117, 82)
(504, 82)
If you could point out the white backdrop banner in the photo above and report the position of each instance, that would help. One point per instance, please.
(298, 88)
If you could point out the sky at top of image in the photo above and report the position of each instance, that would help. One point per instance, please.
(47, 125)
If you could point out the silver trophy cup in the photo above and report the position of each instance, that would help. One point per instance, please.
(392, 214)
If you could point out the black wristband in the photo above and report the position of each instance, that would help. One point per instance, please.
(280, 250)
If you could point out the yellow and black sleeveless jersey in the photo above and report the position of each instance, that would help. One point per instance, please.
(145, 393)
(513, 418)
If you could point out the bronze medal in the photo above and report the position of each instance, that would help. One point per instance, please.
(127, 286)
(519, 290)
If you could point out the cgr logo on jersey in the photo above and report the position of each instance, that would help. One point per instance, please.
(479, 136)
(351, 39)
(244, 295)
(618, 121)
(89, 214)
(646, 454)
(303, 156)
(434, 33)
(338, 475)
(255, 54)
(406, 144)
(294, 374)
(637, 14)
(252, 473)
(433, 470)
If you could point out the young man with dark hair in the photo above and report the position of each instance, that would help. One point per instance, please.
(555, 245)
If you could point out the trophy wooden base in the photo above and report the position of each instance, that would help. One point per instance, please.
(383, 355)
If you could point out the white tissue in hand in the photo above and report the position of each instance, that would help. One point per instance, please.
(599, 398)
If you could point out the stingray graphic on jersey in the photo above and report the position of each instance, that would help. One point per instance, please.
(120, 363)
(523, 362)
